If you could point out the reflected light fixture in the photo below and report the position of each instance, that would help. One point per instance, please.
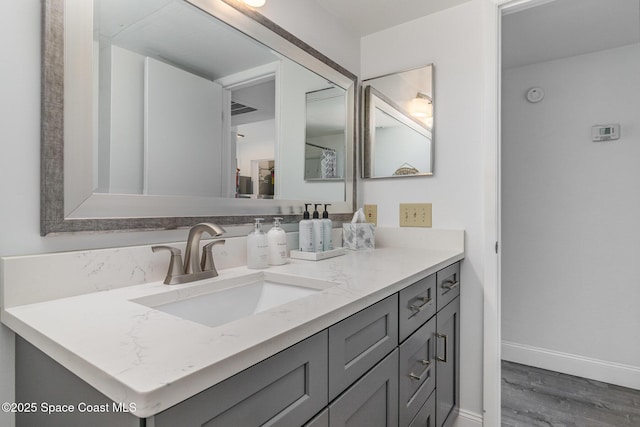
(254, 3)
(421, 106)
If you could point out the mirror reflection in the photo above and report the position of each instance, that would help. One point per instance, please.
(398, 124)
(186, 106)
(325, 134)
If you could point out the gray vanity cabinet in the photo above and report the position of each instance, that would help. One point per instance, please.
(448, 363)
(429, 351)
(394, 363)
(372, 401)
(286, 389)
(360, 341)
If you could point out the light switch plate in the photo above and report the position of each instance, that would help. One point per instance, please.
(371, 213)
(415, 214)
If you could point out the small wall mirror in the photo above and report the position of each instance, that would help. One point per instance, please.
(398, 124)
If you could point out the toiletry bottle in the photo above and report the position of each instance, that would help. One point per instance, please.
(306, 231)
(327, 225)
(277, 241)
(257, 247)
(318, 230)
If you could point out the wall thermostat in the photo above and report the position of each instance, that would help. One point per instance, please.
(605, 132)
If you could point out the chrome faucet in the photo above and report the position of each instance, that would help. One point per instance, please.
(194, 266)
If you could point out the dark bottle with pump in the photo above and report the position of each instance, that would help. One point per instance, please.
(318, 230)
(305, 229)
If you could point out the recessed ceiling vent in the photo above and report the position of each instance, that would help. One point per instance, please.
(238, 108)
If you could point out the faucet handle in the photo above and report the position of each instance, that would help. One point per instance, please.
(176, 268)
(207, 263)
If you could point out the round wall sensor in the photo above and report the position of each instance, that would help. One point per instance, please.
(535, 94)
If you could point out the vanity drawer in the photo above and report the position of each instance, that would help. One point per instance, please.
(448, 284)
(357, 343)
(286, 389)
(417, 371)
(417, 305)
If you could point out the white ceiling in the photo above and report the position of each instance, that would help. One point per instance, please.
(564, 28)
(370, 16)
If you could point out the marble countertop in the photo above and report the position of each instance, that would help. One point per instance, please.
(136, 354)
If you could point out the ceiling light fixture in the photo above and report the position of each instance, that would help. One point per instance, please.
(421, 106)
(255, 3)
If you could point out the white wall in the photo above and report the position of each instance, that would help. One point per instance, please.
(453, 41)
(20, 147)
(570, 208)
(183, 133)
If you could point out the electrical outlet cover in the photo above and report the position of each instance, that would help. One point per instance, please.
(371, 213)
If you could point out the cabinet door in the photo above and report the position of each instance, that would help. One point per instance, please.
(448, 363)
(426, 417)
(417, 377)
(360, 341)
(41, 379)
(286, 389)
(372, 401)
(417, 305)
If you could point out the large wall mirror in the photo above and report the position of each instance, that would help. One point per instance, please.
(398, 124)
(178, 111)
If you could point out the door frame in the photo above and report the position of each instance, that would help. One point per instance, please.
(493, 11)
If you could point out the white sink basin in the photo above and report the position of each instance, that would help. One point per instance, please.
(217, 301)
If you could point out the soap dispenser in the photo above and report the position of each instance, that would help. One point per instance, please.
(318, 230)
(277, 242)
(327, 226)
(306, 231)
(257, 247)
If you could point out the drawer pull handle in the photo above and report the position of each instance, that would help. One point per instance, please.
(450, 284)
(424, 363)
(446, 345)
(417, 307)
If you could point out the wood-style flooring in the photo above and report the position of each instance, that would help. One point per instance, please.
(536, 397)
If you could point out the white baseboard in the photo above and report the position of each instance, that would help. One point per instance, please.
(599, 370)
(468, 419)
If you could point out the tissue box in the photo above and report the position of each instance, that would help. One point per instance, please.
(358, 236)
